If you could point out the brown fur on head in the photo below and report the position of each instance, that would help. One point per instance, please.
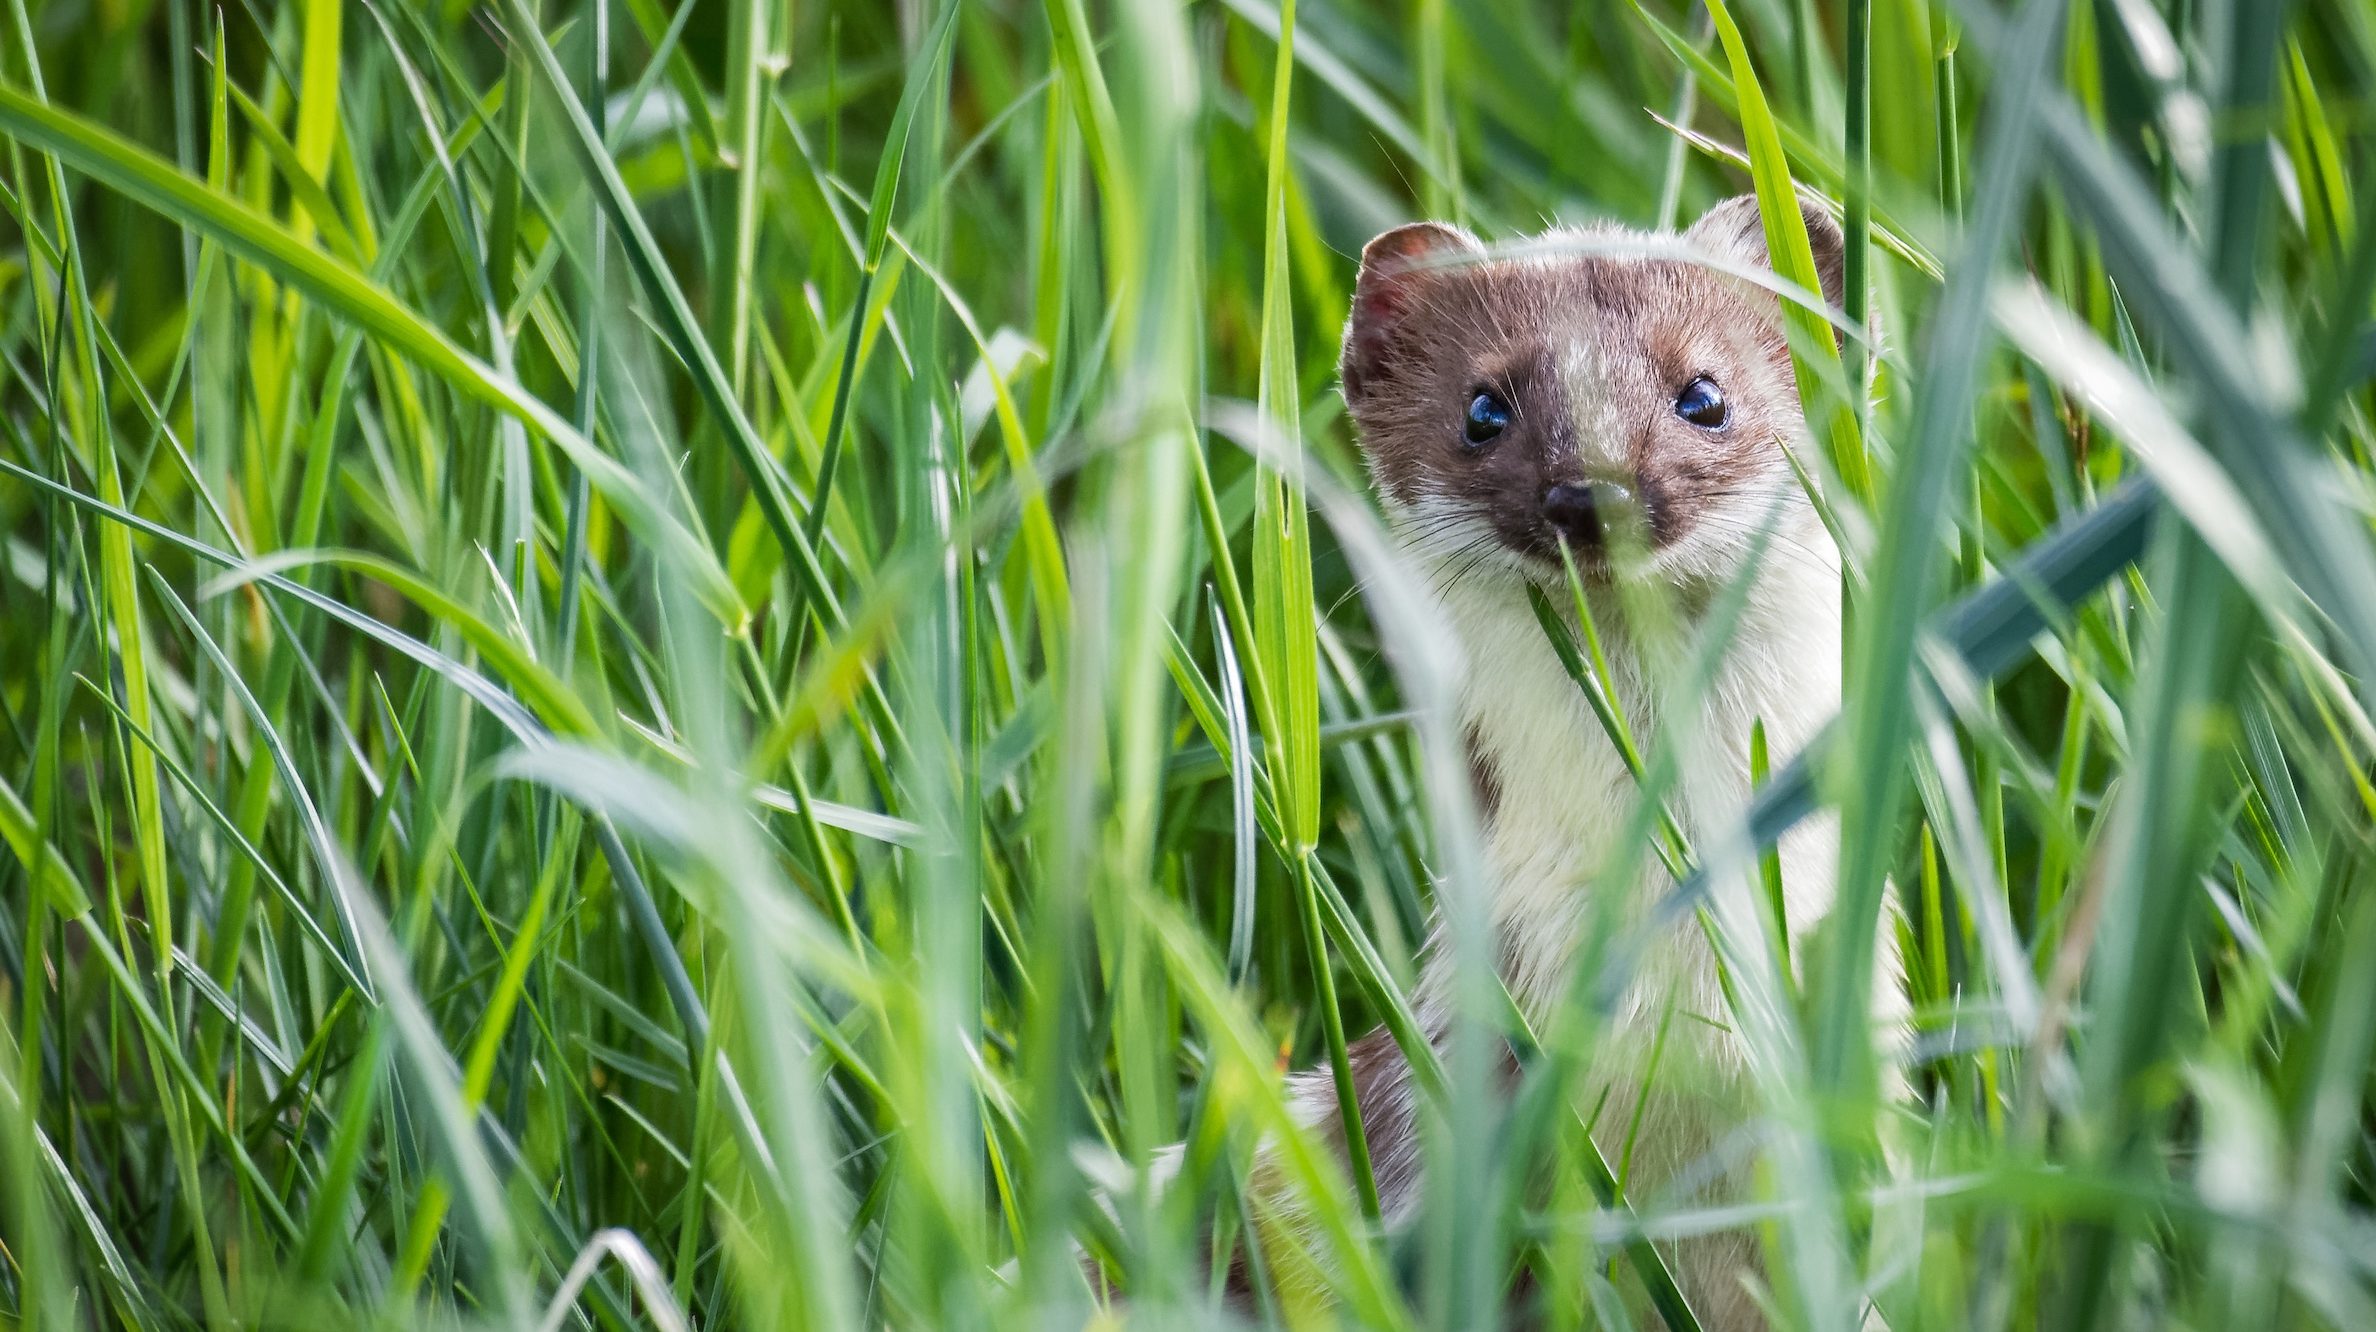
(1587, 363)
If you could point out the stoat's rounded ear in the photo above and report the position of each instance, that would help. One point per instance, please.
(1734, 227)
(1396, 269)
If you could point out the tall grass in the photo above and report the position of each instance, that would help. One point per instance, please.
(713, 664)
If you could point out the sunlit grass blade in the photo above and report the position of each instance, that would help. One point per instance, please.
(1907, 558)
(1812, 344)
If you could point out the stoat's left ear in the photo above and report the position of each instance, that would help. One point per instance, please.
(1397, 269)
(1734, 227)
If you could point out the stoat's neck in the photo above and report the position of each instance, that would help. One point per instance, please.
(1559, 797)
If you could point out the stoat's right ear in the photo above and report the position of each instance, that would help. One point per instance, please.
(1396, 269)
(1736, 227)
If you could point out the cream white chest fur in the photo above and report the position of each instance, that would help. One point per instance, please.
(1564, 802)
(1562, 806)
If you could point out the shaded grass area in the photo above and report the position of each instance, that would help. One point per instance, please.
(713, 665)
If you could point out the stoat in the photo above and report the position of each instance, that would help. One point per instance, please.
(1601, 391)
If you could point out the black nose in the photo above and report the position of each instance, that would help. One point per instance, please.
(1581, 511)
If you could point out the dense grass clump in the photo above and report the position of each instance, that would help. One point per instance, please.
(711, 664)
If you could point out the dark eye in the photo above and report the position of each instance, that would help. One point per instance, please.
(1488, 416)
(1702, 404)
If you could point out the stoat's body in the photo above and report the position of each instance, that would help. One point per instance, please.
(1634, 408)
(1560, 801)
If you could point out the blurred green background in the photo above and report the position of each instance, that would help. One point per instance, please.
(647, 677)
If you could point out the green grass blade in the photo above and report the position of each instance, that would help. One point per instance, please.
(155, 184)
(1813, 348)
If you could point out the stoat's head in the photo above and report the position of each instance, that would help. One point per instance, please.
(1635, 407)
